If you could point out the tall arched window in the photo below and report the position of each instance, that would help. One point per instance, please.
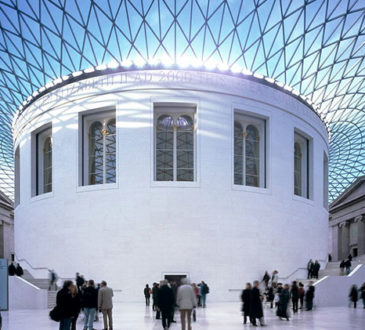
(297, 169)
(249, 151)
(99, 148)
(301, 165)
(47, 165)
(174, 146)
(42, 159)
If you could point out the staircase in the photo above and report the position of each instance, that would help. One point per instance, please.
(333, 269)
(41, 283)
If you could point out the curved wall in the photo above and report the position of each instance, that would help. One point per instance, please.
(134, 231)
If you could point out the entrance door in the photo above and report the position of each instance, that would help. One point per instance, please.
(175, 278)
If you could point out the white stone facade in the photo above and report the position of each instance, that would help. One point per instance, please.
(131, 232)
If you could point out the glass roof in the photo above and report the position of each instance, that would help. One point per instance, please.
(317, 47)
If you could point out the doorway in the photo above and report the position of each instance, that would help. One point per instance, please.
(175, 278)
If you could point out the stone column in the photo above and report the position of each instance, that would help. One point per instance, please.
(360, 234)
(339, 242)
(345, 238)
(335, 255)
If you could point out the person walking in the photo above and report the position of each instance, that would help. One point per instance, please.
(105, 304)
(362, 294)
(266, 279)
(354, 295)
(256, 311)
(89, 304)
(294, 293)
(342, 267)
(301, 294)
(147, 294)
(75, 305)
(309, 296)
(245, 298)
(271, 294)
(185, 300)
(316, 268)
(64, 306)
(348, 266)
(154, 296)
(309, 268)
(274, 277)
(165, 303)
(79, 281)
(284, 298)
(204, 290)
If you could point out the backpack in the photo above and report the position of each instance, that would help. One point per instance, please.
(206, 289)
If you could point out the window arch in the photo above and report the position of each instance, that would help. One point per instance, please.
(174, 146)
(99, 144)
(249, 151)
(47, 165)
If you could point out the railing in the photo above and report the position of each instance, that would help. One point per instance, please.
(289, 276)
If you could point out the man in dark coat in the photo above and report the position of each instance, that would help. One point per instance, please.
(245, 298)
(19, 271)
(165, 303)
(316, 268)
(79, 281)
(11, 270)
(283, 303)
(64, 306)
(354, 295)
(147, 294)
(154, 295)
(256, 311)
(266, 279)
(309, 296)
(294, 293)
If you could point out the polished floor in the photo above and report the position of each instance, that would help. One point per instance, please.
(223, 316)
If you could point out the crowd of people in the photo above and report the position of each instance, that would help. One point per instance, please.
(275, 294)
(167, 297)
(84, 296)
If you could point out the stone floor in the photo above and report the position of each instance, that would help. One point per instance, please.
(224, 316)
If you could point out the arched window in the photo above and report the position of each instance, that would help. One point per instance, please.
(41, 145)
(249, 151)
(301, 165)
(297, 169)
(100, 148)
(238, 153)
(96, 154)
(174, 147)
(47, 165)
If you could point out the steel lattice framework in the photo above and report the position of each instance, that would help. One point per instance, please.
(316, 47)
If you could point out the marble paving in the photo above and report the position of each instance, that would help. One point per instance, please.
(223, 316)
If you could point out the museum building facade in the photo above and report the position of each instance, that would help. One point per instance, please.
(132, 176)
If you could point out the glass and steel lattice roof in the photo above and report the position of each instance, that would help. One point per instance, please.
(315, 47)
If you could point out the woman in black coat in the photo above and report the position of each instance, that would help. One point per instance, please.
(256, 311)
(294, 292)
(75, 305)
(64, 303)
(245, 298)
(354, 295)
(284, 297)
